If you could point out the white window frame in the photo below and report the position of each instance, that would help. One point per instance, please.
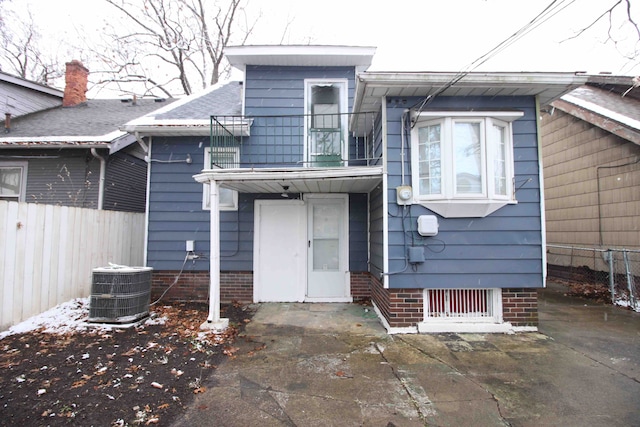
(343, 109)
(23, 180)
(450, 203)
(206, 189)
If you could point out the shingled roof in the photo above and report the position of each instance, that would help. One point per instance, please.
(604, 106)
(93, 123)
(191, 115)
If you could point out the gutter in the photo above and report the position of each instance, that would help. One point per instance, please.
(103, 170)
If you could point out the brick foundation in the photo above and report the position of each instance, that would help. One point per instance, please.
(520, 306)
(360, 286)
(404, 307)
(234, 286)
(194, 286)
(401, 307)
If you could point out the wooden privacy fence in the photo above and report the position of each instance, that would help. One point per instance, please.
(47, 253)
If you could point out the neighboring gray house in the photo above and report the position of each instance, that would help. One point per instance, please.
(591, 151)
(315, 180)
(19, 96)
(60, 148)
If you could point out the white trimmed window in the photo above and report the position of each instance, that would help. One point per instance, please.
(13, 181)
(229, 157)
(462, 163)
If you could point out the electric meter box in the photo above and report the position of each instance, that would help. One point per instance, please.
(428, 225)
(404, 194)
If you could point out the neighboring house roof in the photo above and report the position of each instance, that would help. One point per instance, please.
(192, 114)
(604, 108)
(93, 124)
(19, 96)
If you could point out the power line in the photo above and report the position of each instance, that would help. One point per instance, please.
(555, 7)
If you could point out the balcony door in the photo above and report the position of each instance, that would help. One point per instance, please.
(326, 123)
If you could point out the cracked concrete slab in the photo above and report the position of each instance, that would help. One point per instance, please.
(334, 365)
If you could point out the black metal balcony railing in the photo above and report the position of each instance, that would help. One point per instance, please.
(320, 140)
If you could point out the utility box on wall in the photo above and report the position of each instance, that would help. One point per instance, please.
(428, 225)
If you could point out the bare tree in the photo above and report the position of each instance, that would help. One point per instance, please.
(613, 30)
(20, 44)
(186, 36)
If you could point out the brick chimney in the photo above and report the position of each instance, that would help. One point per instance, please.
(75, 88)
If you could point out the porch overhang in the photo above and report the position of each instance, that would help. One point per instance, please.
(296, 180)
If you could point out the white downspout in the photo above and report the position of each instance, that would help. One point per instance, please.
(214, 321)
(103, 171)
(543, 219)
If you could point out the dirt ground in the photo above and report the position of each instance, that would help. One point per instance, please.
(144, 375)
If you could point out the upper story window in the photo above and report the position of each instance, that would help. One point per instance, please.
(462, 162)
(326, 129)
(223, 157)
(13, 181)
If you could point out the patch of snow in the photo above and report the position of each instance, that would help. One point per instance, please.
(70, 316)
(66, 317)
(156, 320)
(626, 303)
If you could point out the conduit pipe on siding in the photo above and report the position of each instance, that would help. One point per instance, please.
(103, 170)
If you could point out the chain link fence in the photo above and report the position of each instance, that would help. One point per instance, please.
(617, 270)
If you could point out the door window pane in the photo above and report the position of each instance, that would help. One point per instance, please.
(326, 232)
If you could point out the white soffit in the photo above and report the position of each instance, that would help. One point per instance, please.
(371, 87)
(300, 55)
(296, 180)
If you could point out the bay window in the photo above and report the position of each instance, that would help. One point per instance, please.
(462, 163)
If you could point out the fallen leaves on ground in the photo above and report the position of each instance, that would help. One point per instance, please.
(143, 375)
(595, 291)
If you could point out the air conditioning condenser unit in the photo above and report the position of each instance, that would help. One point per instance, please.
(120, 294)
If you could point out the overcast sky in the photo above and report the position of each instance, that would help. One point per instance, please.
(416, 35)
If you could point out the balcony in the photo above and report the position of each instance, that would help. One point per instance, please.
(296, 141)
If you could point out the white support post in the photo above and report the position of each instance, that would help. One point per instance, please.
(214, 321)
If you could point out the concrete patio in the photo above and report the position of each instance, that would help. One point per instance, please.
(334, 365)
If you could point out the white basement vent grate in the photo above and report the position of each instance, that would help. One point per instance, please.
(461, 305)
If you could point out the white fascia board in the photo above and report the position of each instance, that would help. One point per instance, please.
(101, 139)
(504, 79)
(266, 174)
(187, 127)
(605, 112)
(358, 56)
(552, 85)
(162, 127)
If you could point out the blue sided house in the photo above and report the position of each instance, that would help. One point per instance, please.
(313, 180)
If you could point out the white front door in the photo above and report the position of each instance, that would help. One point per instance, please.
(328, 252)
(279, 255)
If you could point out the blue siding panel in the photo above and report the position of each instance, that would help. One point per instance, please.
(501, 250)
